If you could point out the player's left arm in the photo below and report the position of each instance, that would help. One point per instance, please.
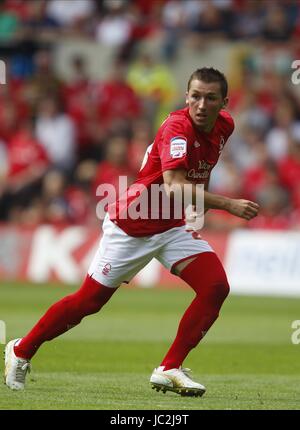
(239, 207)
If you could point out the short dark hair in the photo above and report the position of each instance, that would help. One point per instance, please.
(209, 74)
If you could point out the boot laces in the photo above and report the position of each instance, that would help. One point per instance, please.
(22, 369)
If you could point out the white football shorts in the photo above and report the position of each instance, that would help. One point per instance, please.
(120, 257)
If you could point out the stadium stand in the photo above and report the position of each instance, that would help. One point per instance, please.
(62, 134)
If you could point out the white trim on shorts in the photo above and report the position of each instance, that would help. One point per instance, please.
(120, 256)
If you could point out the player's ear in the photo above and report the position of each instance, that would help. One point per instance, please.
(186, 98)
(225, 103)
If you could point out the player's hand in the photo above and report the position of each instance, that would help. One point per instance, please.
(243, 208)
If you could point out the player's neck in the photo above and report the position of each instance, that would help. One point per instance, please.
(207, 129)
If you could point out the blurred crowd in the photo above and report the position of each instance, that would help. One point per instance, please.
(60, 139)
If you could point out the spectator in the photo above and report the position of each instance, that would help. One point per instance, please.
(27, 158)
(286, 123)
(38, 23)
(264, 174)
(81, 202)
(53, 197)
(116, 164)
(66, 16)
(3, 173)
(274, 209)
(80, 78)
(56, 132)
(30, 214)
(145, 25)
(115, 28)
(44, 80)
(9, 25)
(262, 156)
(9, 118)
(27, 163)
(17, 7)
(3, 160)
(154, 84)
(226, 179)
(177, 18)
(140, 140)
(249, 114)
(69, 203)
(248, 20)
(289, 168)
(116, 100)
(276, 25)
(246, 148)
(210, 21)
(79, 101)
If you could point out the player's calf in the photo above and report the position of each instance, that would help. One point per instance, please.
(208, 279)
(65, 314)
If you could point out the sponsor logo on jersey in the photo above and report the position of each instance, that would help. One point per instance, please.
(204, 165)
(192, 173)
(178, 147)
(203, 171)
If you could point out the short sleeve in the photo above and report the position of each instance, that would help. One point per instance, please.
(173, 146)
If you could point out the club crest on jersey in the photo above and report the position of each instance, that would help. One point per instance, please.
(177, 147)
(196, 144)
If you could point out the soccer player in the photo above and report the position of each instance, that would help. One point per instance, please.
(186, 148)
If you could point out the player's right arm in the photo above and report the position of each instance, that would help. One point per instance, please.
(239, 207)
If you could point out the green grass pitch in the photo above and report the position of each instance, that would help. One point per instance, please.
(246, 361)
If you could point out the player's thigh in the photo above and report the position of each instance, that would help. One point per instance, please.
(119, 256)
(180, 249)
(182, 265)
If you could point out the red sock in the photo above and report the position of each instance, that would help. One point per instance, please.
(208, 279)
(64, 315)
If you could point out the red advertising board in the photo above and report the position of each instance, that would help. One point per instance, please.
(47, 253)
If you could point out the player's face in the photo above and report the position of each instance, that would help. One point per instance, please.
(205, 102)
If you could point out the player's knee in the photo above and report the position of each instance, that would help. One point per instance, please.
(223, 288)
(82, 304)
(218, 294)
(96, 303)
(217, 283)
(91, 304)
(90, 298)
(212, 298)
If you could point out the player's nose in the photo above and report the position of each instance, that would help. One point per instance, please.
(201, 105)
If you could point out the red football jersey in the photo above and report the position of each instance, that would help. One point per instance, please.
(177, 145)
